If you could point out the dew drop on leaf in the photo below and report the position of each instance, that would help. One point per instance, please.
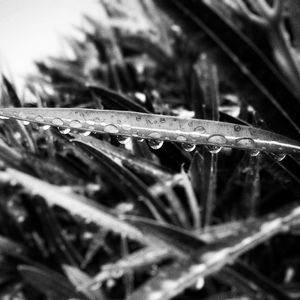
(245, 143)
(200, 283)
(279, 156)
(111, 128)
(85, 133)
(213, 149)
(117, 273)
(155, 144)
(110, 283)
(188, 147)
(123, 139)
(46, 127)
(217, 139)
(254, 153)
(75, 124)
(57, 122)
(64, 130)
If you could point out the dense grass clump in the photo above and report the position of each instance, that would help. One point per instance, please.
(161, 161)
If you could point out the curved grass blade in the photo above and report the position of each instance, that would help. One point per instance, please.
(75, 204)
(192, 200)
(141, 165)
(158, 127)
(11, 92)
(145, 201)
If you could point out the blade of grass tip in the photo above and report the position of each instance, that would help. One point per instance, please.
(174, 237)
(78, 278)
(11, 92)
(75, 204)
(192, 200)
(176, 206)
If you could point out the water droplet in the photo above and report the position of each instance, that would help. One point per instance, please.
(21, 219)
(57, 122)
(254, 153)
(126, 127)
(85, 133)
(155, 135)
(200, 283)
(237, 128)
(217, 139)
(213, 149)
(64, 130)
(155, 144)
(140, 140)
(123, 139)
(279, 156)
(75, 124)
(188, 147)
(39, 119)
(111, 128)
(181, 138)
(117, 273)
(46, 127)
(26, 122)
(110, 283)
(90, 122)
(199, 129)
(245, 143)
(4, 118)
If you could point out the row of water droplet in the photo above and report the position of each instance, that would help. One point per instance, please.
(154, 142)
